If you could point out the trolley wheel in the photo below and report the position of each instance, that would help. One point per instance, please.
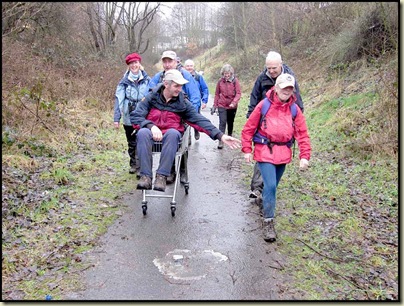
(173, 208)
(144, 209)
(186, 187)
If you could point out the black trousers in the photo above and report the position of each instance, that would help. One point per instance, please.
(226, 116)
(256, 180)
(132, 142)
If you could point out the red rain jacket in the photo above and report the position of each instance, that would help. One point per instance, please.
(279, 128)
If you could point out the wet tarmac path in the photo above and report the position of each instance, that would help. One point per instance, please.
(212, 250)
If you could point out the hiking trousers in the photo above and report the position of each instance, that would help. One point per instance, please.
(131, 139)
(169, 148)
(271, 175)
(226, 116)
(256, 180)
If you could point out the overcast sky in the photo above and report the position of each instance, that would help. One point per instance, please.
(167, 6)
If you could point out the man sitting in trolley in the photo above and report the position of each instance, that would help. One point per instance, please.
(162, 116)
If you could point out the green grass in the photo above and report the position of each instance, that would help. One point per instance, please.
(64, 230)
(338, 221)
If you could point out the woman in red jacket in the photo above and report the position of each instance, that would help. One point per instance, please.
(278, 126)
(227, 96)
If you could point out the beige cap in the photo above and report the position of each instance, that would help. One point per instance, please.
(175, 76)
(169, 54)
(285, 80)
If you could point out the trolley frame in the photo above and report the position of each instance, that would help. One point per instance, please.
(180, 156)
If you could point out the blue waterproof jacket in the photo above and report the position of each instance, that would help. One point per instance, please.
(191, 88)
(203, 87)
(128, 93)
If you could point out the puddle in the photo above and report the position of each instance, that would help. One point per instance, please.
(186, 265)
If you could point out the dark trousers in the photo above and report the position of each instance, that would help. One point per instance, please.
(169, 148)
(195, 130)
(226, 116)
(256, 180)
(131, 139)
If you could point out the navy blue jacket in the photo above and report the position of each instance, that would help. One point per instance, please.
(154, 110)
(264, 83)
(191, 88)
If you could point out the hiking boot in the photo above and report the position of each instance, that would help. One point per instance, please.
(171, 178)
(255, 194)
(269, 231)
(160, 182)
(220, 146)
(138, 174)
(132, 170)
(144, 183)
(197, 135)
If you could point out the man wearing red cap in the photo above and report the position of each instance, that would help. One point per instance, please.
(130, 90)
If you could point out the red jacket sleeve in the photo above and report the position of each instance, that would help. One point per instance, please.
(249, 129)
(302, 136)
(238, 92)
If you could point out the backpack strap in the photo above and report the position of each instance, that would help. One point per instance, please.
(293, 110)
(161, 76)
(265, 107)
(258, 138)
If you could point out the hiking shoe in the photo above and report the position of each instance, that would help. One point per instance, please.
(160, 182)
(171, 178)
(197, 135)
(255, 194)
(144, 183)
(138, 174)
(132, 170)
(269, 231)
(220, 146)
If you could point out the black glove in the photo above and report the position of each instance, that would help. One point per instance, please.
(212, 110)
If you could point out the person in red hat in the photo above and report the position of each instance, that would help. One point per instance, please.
(132, 88)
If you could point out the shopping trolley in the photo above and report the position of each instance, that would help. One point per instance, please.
(181, 169)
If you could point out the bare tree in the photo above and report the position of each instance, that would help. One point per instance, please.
(20, 16)
(96, 38)
(137, 16)
(104, 19)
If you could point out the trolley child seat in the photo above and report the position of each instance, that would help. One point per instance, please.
(181, 160)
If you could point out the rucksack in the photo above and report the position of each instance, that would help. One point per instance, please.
(197, 76)
(259, 138)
